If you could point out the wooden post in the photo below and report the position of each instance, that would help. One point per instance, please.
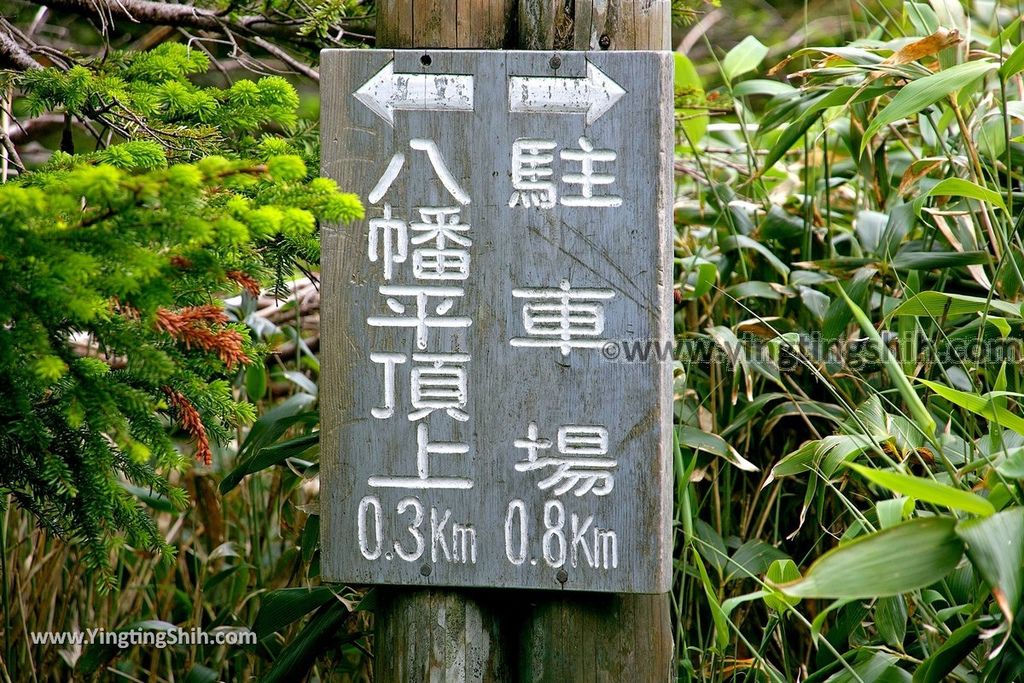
(472, 24)
(469, 635)
(437, 635)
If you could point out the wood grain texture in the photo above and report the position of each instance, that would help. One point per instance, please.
(542, 24)
(583, 23)
(599, 638)
(598, 25)
(482, 24)
(468, 24)
(536, 21)
(438, 636)
(395, 23)
(617, 542)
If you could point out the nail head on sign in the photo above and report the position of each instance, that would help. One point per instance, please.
(425, 60)
(425, 570)
(555, 62)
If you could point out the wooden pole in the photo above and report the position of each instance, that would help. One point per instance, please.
(469, 24)
(463, 635)
(438, 635)
(594, 25)
(586, 636)
(597, 637)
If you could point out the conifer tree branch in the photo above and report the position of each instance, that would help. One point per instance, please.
(183, 16)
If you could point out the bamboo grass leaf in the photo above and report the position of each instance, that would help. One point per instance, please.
(743, 58)
(942, 661)
(924, 92)
(926, 490)
(1014, 64)
(714, 444)
(940, 304)
(285, 606)
(996, 548)
(896, 560)
(780, 572)
(979, 405)
(932, 260)
(891, 619)
(922, 417)
(958, 187)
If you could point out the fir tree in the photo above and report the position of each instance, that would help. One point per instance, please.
(112, 330)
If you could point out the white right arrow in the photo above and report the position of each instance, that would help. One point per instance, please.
(593, 95)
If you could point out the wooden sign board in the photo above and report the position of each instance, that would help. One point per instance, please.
(480, 427)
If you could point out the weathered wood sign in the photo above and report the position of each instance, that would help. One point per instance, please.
(480, 424)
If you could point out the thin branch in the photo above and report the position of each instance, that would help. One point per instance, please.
(213, 58)
(5, 130)
(37, 20)
(13, 158)
(301, 68)
(30, 47)
(181, 16)
(140, 11)
(14, 54)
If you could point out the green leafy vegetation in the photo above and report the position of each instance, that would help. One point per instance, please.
(128, 261)
(863, 220)
(145, 214)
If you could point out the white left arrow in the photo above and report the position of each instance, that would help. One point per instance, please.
(593, 95)
(388, 91)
